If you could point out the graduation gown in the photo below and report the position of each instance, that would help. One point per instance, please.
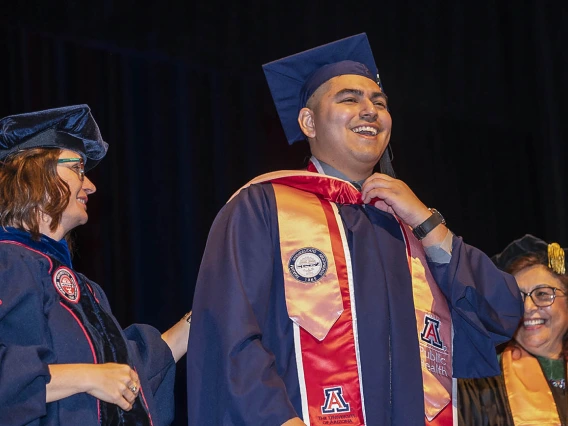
(37, 329)
(242, 367)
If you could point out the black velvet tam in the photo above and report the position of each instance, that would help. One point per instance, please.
(528, 244)
(71, 127)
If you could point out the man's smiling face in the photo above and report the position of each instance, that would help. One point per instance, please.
(351, 125)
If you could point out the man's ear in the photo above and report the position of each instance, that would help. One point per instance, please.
(306, 122)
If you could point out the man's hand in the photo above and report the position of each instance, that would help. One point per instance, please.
(394, 196)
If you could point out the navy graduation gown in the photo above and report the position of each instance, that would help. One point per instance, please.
(36, 330)
(242, 364)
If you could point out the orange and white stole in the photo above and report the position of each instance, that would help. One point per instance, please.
(434, 326)
(529, 394)
(319, 297)
(320, 300)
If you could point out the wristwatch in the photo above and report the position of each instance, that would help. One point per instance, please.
(425, 227)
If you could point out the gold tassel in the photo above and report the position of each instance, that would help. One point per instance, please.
(556, 260)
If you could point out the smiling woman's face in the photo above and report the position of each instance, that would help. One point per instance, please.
(80, 187)
(542, 329)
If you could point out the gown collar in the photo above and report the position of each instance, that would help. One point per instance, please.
(57, 249)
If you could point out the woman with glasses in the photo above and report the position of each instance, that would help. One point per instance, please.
(64, 359)
(532, 387)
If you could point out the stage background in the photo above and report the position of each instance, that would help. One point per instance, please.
(477, 92)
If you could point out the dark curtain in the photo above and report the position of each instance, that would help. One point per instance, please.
(477, 92)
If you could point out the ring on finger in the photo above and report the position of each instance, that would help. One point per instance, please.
(133, 388)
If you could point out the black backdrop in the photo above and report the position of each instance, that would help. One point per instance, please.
(477, 92)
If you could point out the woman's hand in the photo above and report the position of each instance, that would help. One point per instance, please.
(115, 383)
(176, 337)
(294, 422)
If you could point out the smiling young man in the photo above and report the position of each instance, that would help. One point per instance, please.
(334, 295)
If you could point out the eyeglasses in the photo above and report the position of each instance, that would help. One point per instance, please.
(78, 168)
(542, 296)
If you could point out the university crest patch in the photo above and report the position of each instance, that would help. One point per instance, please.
(66, 284)
(308, 265)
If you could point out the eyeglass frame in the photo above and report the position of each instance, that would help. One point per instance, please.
(80, 172)
(553, 298)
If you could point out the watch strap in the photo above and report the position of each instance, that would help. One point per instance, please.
(428, 225)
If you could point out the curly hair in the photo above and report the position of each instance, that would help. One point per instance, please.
(30, 188)
(534, 259)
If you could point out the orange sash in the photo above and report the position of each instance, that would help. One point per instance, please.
(434, 326)
(313, 298)
(530, 397)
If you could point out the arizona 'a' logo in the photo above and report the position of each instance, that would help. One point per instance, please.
(431, 332)
(334, 401)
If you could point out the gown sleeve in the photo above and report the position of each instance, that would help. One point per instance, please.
(156, 363)
(24, 348)
(232, 378)
(486, 308)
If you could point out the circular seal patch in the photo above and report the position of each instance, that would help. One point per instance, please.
(66, 284)
(308, 265)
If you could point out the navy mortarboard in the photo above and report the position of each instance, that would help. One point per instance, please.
(552, 253)
(292, 80)
(71, 127)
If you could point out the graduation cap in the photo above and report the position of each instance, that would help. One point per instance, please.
(71, 127)
(527, 245)
(292, 80)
